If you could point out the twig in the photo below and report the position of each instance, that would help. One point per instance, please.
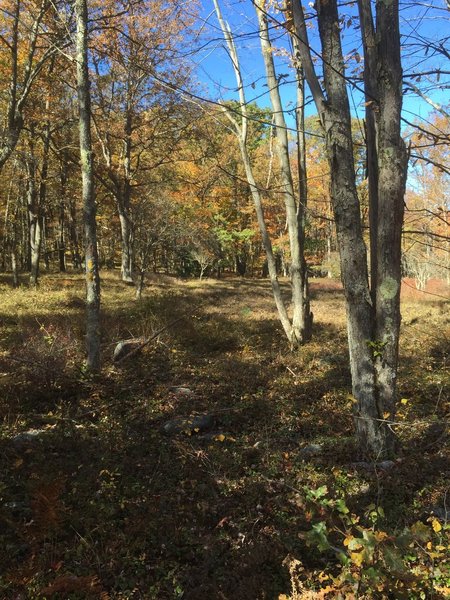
(147, 341)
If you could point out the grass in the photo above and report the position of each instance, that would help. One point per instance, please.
(103, 505)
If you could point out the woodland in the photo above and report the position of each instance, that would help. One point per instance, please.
(225, 282)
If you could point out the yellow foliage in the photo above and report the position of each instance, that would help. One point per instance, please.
(357, 558)
(436, 525)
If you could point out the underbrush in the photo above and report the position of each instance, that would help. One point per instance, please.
(272, 502)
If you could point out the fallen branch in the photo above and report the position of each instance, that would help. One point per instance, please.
(146, 341)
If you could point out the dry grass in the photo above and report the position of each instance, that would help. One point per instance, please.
(105, 506)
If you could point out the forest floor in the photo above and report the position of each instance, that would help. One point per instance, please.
(96, 501)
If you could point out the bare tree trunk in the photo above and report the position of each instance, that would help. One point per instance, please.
(124, 202)
(300, 320)
(15, 273)
(35, 221)
(240, 130)
(13, 249)
(61, 241)
(89, 208)
(371, 126)
(74, 241)
(391, 181)
(302, 186)
(62, 217)
(126, 233)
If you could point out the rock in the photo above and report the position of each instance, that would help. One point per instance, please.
(182, 391)
(124, 347)
(27, 438)
(189, 425)
(310, 451)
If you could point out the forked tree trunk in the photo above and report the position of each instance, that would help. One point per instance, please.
(301, 317)
(373, 318)
(240, 128)
(89, 208)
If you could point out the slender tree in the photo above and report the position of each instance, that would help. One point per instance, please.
(301, 317)
(239, 123)
(88, 192)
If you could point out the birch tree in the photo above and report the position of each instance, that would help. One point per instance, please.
(88, 192)
(373, 309)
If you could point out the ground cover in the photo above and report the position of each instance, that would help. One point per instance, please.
(98, 501)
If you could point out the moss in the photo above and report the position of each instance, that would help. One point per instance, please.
(389, 288)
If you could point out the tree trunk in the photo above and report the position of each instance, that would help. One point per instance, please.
(88, 192)
(74, 241)
(126, 233)
(61, 242)
(301, 329)
(62, 217)
(391, 181)
(15, 273)
(371, 126)
(34, 220)
(372, 325)
(240, 130)
(302, 189)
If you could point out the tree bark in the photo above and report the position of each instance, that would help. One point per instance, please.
(88, 192)
(302, 185)
(368, 35)
(373, 318)
(34, 220)
(126, 234)
(124, 200)
(392, 170)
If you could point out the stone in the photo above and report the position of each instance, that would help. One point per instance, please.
(124, 347)
(310, 451)
(189, 425)
(27, 438)
(182, 391)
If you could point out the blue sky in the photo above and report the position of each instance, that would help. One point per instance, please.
(427, 20)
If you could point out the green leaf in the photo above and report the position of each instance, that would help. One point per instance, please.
(341, 506)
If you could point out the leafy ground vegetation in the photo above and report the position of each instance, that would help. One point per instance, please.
(271, 503)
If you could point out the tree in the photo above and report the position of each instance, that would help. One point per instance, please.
(239, 120)
(31, 35)
(373, 310)
(134, 114)
(87, 174)
(302, 316)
